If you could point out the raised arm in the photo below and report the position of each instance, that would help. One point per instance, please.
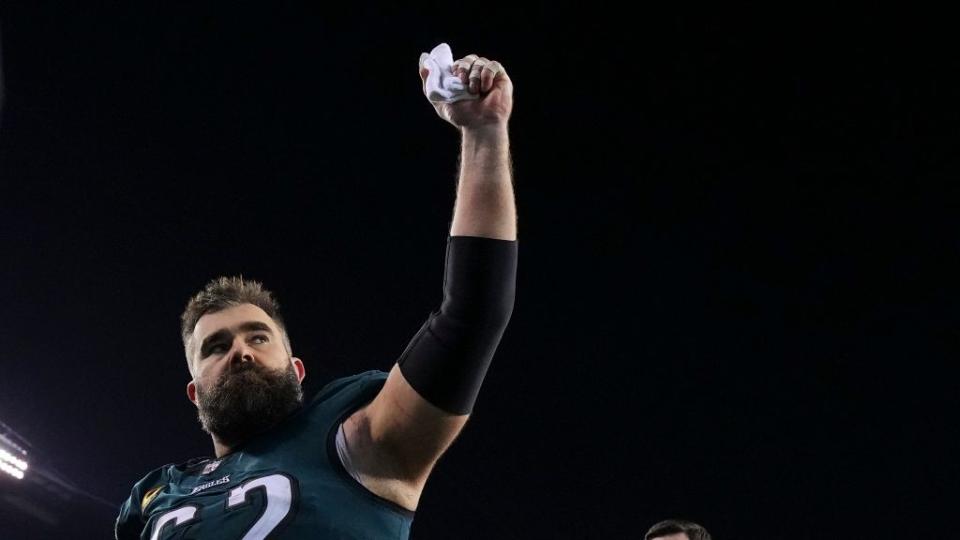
(395, 441)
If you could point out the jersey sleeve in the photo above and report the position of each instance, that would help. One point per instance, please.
(346, 386)
(344, 396)
(337, 401)
(130, 521)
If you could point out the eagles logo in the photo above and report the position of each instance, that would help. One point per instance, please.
(149, 497)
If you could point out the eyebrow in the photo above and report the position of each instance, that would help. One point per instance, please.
(248, 326)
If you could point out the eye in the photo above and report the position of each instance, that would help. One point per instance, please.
(213, 348)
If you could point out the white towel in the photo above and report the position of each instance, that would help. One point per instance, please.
(442, 85)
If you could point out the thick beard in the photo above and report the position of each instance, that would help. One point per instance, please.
(246, 400)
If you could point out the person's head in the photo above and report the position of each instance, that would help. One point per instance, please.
(244, 377)
(676, 529)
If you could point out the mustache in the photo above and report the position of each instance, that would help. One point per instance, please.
(245, 367)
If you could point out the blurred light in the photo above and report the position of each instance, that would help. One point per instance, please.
(12, 455)
(12, 471)
(12, 460)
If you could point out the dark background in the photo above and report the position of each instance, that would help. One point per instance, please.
(738, 251)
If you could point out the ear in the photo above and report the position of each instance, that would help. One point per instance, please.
(298, 365)
(192, 392)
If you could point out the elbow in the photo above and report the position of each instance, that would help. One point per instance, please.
(489, 315)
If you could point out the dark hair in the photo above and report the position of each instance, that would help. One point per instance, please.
(674, 526)
(223, 293)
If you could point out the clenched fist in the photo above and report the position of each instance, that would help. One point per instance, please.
(489, 79)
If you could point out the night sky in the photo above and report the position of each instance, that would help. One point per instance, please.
(736, 299)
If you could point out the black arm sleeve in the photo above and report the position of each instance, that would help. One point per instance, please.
(447, 359)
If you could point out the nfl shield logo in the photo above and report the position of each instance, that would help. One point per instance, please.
(210, 467)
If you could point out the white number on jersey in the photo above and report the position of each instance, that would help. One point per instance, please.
(279, 496)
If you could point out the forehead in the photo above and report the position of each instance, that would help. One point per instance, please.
(675, 536)
(229, 318)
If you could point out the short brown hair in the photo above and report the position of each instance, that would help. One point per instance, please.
(675, 526)
(223, 293)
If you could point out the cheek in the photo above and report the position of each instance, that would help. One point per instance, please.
(207, 374)
(273, 364)
(274, 357)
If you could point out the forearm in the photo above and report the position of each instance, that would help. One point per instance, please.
(485, 205)
(448, 358)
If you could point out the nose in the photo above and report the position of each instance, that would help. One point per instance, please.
(240, 354)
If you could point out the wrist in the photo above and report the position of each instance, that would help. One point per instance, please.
(486, 133)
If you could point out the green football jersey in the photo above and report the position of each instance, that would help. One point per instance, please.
(286, 483)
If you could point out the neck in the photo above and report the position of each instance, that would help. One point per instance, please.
(220, 449)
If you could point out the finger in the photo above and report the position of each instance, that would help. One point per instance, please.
(488, 74)
(475, 71)
(462, 67)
